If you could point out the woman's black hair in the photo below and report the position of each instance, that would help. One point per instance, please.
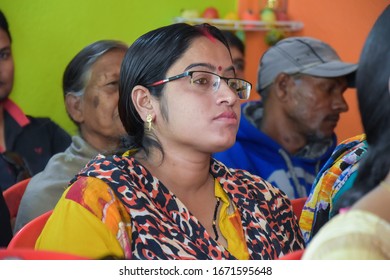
(147, 60)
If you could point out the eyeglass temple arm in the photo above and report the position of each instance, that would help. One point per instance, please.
(169, 79)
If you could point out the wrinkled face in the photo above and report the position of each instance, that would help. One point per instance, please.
(6, 66)
(203, 120)
(238, 62)
(99, 105)
(316, 104)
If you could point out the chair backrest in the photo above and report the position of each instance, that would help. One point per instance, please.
(13, 196)
(31, 254)
(29, 233)
(296, 255)
(297, 205)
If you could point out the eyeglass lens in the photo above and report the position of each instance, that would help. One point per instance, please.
(207, 81)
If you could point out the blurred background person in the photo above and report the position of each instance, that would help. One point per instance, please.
(90, 87)
(361, 230)
(26, 142)
(237, 48)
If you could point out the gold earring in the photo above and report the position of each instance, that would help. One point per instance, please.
(149, 121)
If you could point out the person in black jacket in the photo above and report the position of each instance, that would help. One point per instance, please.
(5, 224)
(26, 143)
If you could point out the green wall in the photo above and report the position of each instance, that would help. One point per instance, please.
(48, 33)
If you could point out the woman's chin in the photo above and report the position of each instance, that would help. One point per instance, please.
(224, 146)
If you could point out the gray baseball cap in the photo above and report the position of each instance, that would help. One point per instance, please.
(303, 55)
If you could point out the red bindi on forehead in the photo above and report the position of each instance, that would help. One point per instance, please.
(219, 68)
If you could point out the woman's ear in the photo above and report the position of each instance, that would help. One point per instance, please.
(142, 101)
(74, 107)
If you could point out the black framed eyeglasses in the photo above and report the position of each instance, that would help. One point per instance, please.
(204, 81)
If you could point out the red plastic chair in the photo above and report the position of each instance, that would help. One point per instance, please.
(297, 205)
(30, 254)
(29, 233)
(296, 255)
(13, 196)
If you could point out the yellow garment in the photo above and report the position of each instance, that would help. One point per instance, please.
(73, 228)
(230, 225)
(94, 226)
(353, 235)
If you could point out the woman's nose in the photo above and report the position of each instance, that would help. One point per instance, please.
(226, 93)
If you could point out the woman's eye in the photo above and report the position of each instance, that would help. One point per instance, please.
(239, 64)
(200, 81)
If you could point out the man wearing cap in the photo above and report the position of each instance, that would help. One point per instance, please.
(287, 136)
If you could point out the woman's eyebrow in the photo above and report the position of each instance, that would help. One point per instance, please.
(207, 65)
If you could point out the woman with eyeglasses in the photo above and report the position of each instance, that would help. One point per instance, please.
(166, 197)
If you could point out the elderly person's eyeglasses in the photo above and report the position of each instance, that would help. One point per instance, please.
(204, 81)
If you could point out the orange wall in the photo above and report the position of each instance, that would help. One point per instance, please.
(344, 24)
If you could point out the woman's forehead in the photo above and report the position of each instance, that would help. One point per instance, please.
(204, 51)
